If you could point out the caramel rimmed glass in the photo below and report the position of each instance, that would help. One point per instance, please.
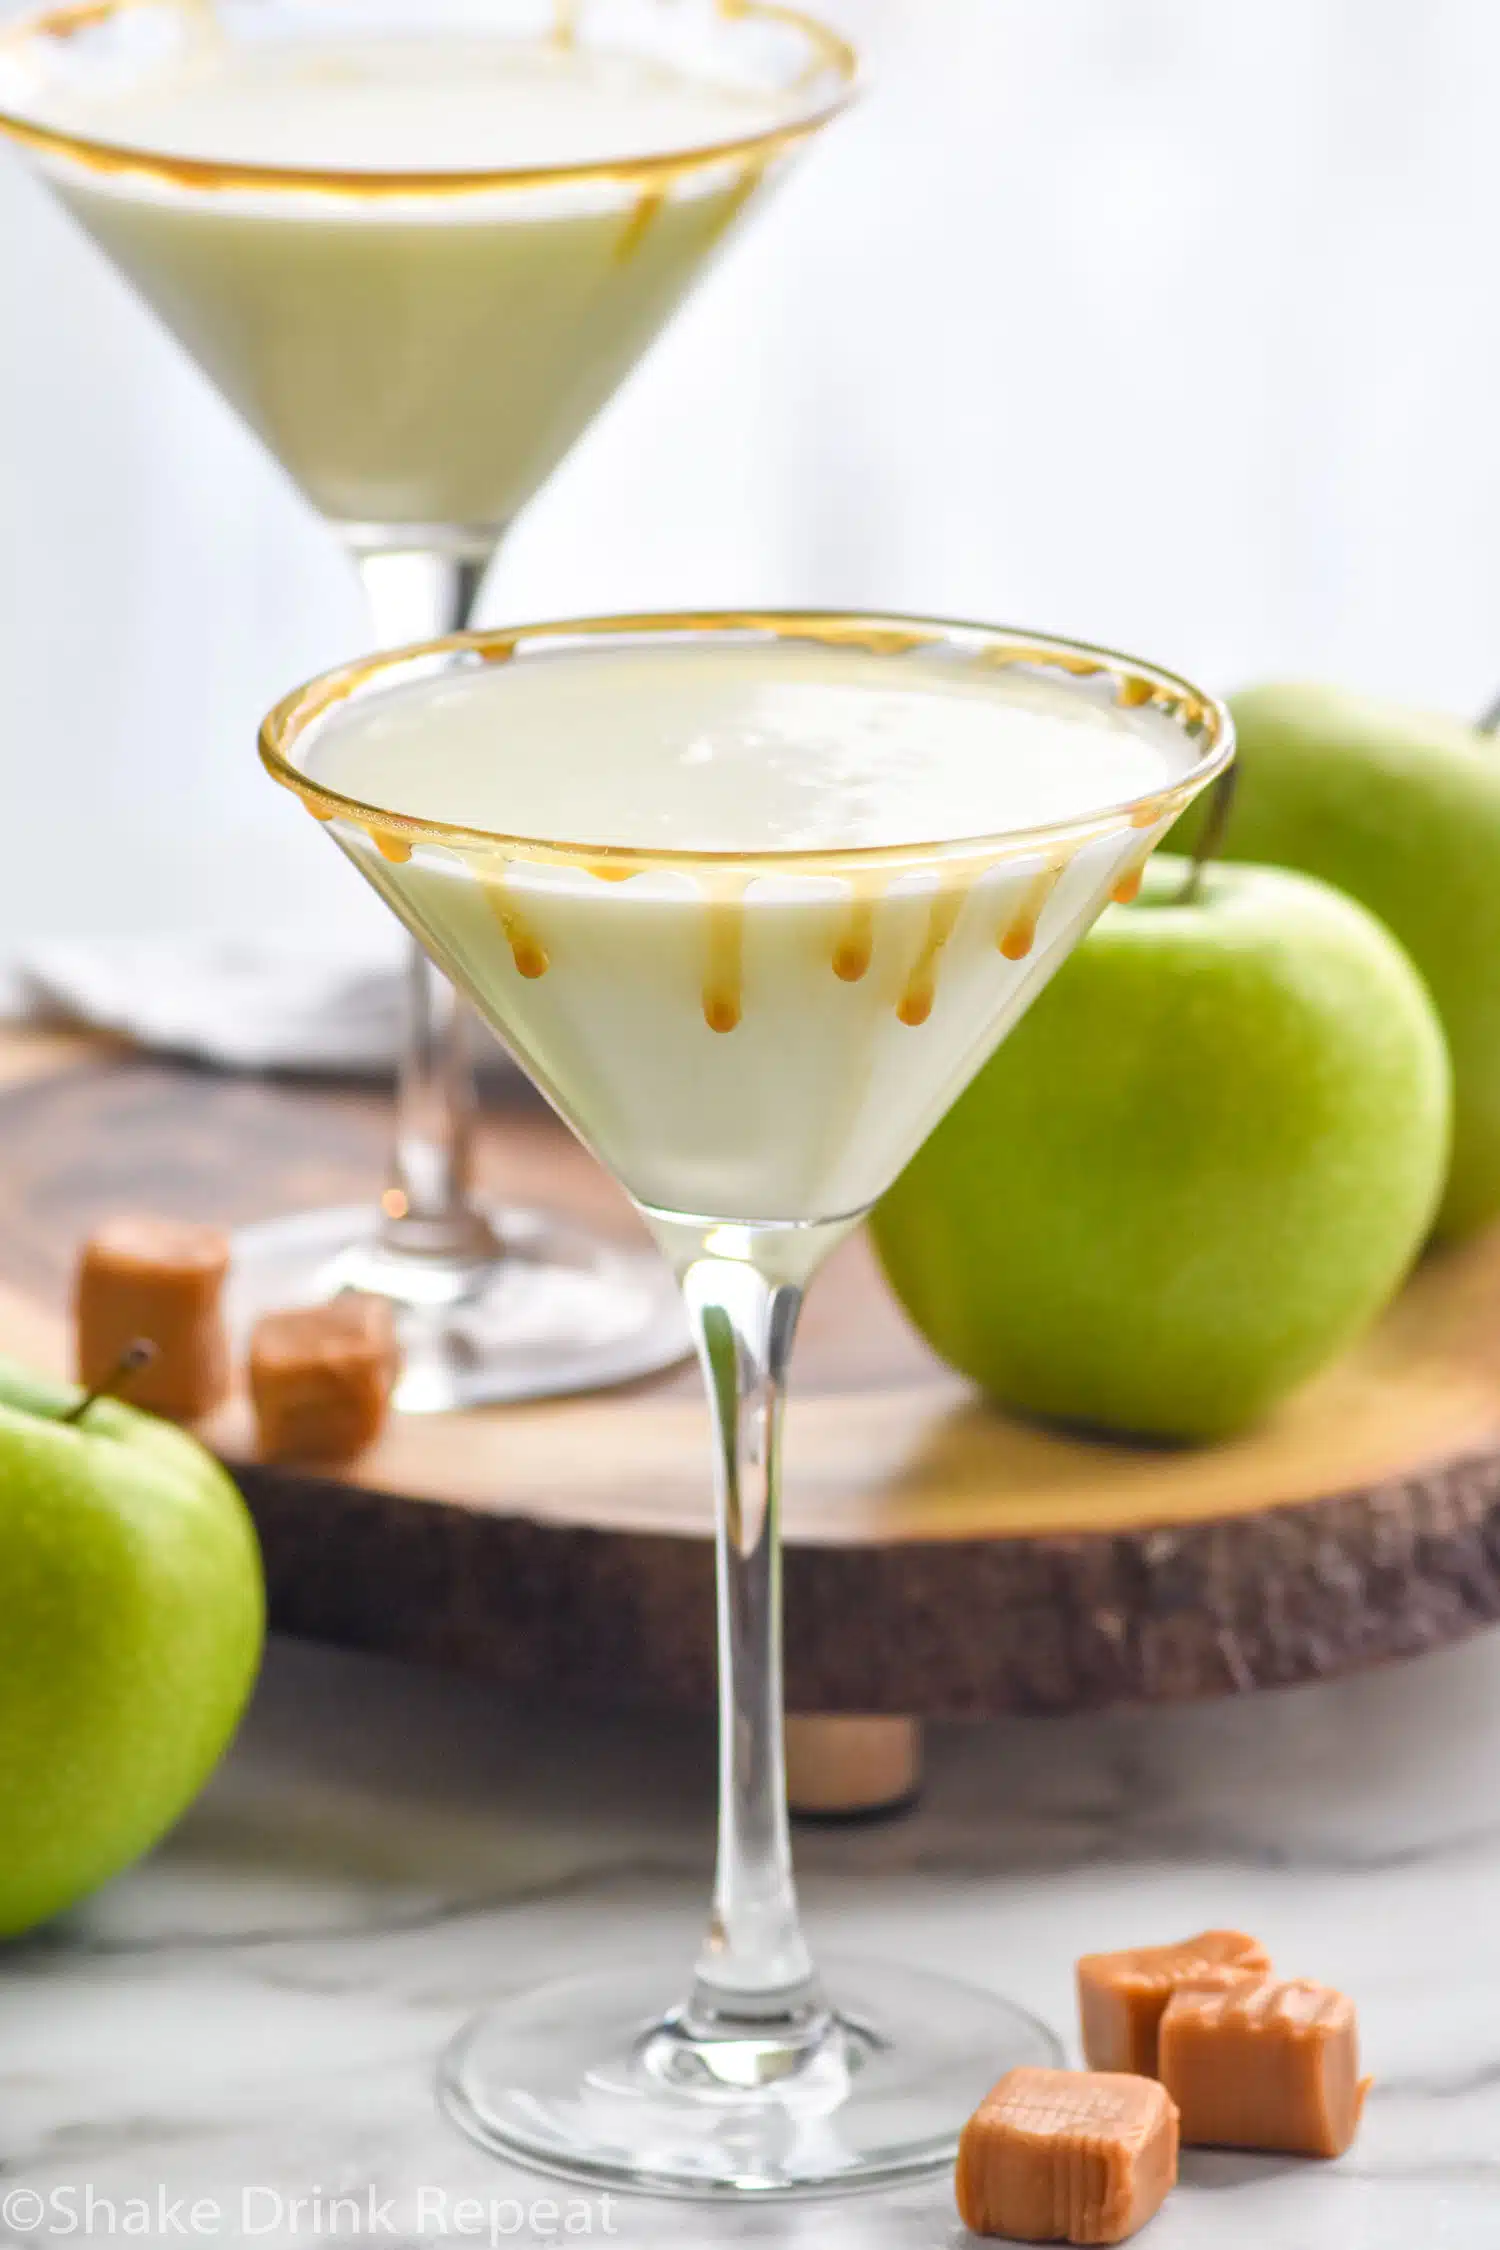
(762, 2079)
(319, 302)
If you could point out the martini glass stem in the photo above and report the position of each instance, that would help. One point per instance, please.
(744, 1288)
(428, 1209)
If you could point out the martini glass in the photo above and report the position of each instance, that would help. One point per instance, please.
(753, 1000)
(418, 244)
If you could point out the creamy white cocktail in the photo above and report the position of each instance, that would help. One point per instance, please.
(752, 898)
(417, 243)
(734, 1038)
(427, 359)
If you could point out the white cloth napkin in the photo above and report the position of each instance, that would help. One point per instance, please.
(261, 1003)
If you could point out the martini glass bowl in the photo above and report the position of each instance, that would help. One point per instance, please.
(418, 337)
(755, 1043)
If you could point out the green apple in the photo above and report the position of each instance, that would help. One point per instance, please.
(133, 1618)
(1401, 809)
(1197, 1168)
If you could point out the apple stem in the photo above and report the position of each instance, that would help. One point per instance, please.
(1210, 835)
(130, 1362)
(1489, 722)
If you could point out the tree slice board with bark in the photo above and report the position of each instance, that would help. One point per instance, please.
(942, 1560)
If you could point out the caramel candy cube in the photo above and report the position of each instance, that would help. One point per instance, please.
(162, 1281)
(1067, 2156)
(321, 1378)
(1264, 2065)
(1121, 1995)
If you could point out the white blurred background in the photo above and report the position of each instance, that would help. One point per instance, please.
(1169, 322)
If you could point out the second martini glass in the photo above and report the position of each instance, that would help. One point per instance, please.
(418, 244)
(817, 867)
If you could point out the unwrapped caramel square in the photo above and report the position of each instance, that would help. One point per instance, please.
(159, 1281)
(1121, 1995)
(1067, 2156)
(1264, 2065)
(321, 1378)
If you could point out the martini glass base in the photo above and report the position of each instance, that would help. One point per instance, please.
(586, 2079)
(558, 1311)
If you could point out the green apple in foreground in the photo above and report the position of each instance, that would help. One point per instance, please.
(1197, 1168)
(133, 1617)
(1401, 809)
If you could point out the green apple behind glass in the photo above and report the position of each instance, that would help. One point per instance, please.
(1401, 809)
(1192, 1174)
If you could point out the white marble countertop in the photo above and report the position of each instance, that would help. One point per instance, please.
(252, 2016)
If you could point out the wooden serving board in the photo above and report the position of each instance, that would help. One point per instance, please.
(942, 1560)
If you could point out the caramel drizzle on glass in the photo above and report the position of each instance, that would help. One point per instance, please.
(1056, 660)
(915, 1003)
(725, 911)
(828, 56)
(1128, 888)
(858, 632)
(854, 947)
(727, 881)
(389, 844)
(734, 199)
(1018, 931)
(724, 953)
(638, 225)
(526, 948)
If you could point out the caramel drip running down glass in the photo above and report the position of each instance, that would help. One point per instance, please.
(751, 897)
(417, 244)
